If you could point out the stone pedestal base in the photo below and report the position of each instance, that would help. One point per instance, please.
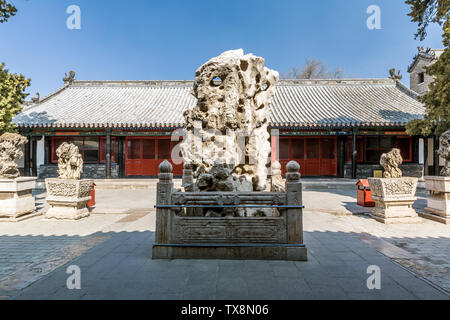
(16, 200)
(231, 251)
(68, 198)
(394, 211)
(393, 199)
(438, 203)
(67, 211)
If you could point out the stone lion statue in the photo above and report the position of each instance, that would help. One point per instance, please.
(229, 124)
(10, 149)
(390, 162)
(70, 162)
(444, 152)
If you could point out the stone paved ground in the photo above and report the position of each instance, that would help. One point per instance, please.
(114, 250)
(424, 247)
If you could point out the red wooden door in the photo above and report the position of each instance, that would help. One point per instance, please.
(292, 149)
(328, 158)
(312, 165)
(315, 155)
(144, 154)
(298, 152)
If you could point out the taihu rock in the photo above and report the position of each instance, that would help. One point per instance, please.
(68, 195)
(70, 161)
(10, 149)
(390, 162)
(444, 152)
(438, 202)
(16, 198)
(227, 139)
(393, 194)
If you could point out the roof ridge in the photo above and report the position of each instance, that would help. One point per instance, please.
(281, 81)
(51, 94)
(348, 81)
(409, 92)
(131, 82)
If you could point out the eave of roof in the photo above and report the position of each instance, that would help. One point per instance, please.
(292, 102)
(436, 53)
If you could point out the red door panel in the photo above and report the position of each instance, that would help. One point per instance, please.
(328, 156)
(315, 155)
(144, 154)
(312, 157)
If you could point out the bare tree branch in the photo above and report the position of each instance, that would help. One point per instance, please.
(313, 69)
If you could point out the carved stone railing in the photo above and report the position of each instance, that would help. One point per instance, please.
(183, 233)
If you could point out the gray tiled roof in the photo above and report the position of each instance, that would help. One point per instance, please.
(303, 103)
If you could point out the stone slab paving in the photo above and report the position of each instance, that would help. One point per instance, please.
(115, 259)
(32, 248)
(423, 248)
(121, 268)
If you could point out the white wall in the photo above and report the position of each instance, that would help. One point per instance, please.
(40, 153)
(421, 151)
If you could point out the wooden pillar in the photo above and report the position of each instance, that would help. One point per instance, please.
(47, 150)
(435, 155)
(34, 157)
(354, 154)
(108, 155)
(121, 156)
(425, 157)
(341, 155)
(294, 217)
(27, 158)
(274, 138)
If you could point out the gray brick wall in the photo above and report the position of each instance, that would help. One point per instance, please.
(364, 171)
(420, 88)
(95, 171)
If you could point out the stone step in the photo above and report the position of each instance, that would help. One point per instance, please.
(308, 184)
(101, 184)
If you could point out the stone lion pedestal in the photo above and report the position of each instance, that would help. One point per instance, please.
(16, 200)
(393, 199)
(438, 203)
(68, 198)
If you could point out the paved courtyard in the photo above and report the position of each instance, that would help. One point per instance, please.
(113, 250)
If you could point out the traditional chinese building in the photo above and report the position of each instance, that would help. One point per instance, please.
(336, 128)
(419, 80)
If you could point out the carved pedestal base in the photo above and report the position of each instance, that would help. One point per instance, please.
(438, 203)
(244, 251)
(16, 200)
(68, 198)
(393, 199)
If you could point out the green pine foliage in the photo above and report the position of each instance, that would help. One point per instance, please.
(7, 10)
(437, 101)
(12, 96)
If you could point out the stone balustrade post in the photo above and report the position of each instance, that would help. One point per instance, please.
(187, 181)
(163, 197)
(294, 217)
(276, 180)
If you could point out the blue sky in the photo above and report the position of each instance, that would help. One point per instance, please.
(154, 40)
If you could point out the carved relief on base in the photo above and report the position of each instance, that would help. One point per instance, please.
(16, 198)
(68, 198)
(438, 202)
(393, 199)
(229, 230)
